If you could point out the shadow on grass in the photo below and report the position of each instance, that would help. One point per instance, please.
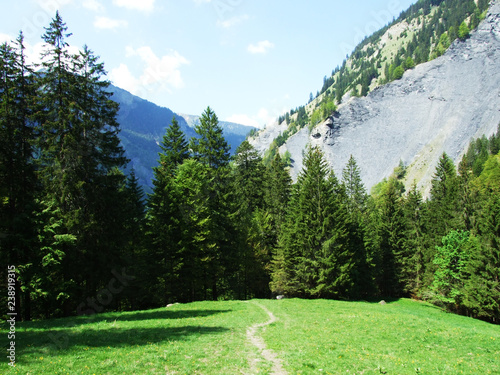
(156, 314)
(68, 341)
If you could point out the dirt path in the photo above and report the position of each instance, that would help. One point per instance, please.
(256, 340)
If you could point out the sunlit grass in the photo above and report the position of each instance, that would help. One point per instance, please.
(197, 338)
(311, 337)
(402, 337)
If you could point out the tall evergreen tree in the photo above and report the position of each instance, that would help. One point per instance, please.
(211, 149)
(254, 253)
(442, 211)
(81, 157)
(391, 244)
(411, 257)
(317, 259)
(174, 148)
(356, 201)
(356, 193)
(164, 217)
(18, 182)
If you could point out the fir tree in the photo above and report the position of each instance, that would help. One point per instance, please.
(316, 257)
(81, 157)
(212, 150)
(19, 188)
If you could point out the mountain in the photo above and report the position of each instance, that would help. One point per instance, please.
(435, 107)
(233, 133)
(143, 125)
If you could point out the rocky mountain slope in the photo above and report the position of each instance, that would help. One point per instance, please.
(436, 107)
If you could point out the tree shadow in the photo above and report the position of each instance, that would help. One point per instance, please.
(65, 341)
(120, 317)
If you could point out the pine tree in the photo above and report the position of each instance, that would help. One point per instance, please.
(356, 193)
(252, 222)
(392, 235)
(210, 147)
(212, 150)
(278, 187)
(411, 258)
(19, 187)
(198, 251)
(316, 257)
(356, 200)
(81, 157)
(165, 219)
(174, 148)
(442, 211)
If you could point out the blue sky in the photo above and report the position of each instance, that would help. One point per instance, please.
(250, 60)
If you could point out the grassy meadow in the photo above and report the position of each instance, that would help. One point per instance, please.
(309, 337)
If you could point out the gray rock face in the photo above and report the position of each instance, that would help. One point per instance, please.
(436, 107)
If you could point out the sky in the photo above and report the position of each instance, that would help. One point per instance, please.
(249, 60)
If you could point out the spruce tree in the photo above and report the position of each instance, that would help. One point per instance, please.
(442, 211)
(80, 162)
(316, 258)
(252, 221)
(174, 148)
(211, 149)
(356, 199)
(411, 257)
(392, 236)
(19, 187)
(165, 219)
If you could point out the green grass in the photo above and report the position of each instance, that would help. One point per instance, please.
(197, 338)
(311, 337)
(402, 337)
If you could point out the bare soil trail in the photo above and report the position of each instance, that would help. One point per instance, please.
(257, 341)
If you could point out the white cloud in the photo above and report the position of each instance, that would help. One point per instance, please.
(5, 38)
(265, 117)
(243, 120)
(142, 5)
(233, 21)
(259, 121)
(108, 23)
(158, 73)
(94, 5)
(261, 47)
(199, 2)
(122, 77)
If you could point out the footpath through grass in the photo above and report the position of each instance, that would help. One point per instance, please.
(402, 337)
(309, 337)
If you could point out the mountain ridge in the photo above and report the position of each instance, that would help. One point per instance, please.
(435, 107)
(143, 125)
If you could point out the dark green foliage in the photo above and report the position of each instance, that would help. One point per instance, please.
(317, 261)
(210, 148)
(254, 223)
(411, 257)
(18, 182)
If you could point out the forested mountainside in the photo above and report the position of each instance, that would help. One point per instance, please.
(220, 227)
(143, 124)
(438, 102)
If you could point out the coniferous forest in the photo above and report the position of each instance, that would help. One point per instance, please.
(84, 238)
